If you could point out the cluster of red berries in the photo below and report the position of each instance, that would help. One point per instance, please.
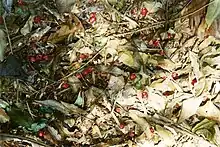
(38, 57)
(92, 18)
(143, 11)
(85, 72)
(37, 20)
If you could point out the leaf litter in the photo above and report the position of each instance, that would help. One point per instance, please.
(109, 73)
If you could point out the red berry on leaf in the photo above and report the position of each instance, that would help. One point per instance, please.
(65, 85)
(39, 57)
(144, 94)
(156, 43)
(169, 35)
(83, 56)
(134, 11)
(175, 75)
(167, 93)
(32, 59)
(20, 2)
(45, 57)
(93, 14)
(151, 129)
(194, 81)
(85, 72)
(89, 69)
(41, 133)
(37, 19)
(133, 76)
(144, 11)
(131, 133)
(164, 77)
(92, 18)
(79, 76)
(162, 53)
(122, 126)
(118, 110)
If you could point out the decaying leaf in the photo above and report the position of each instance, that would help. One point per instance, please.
(3, 116)
(209, 110)
(189, 107)
(3, 44)
(166, 135)
(212, 12)
(206, 129)
(142, 123)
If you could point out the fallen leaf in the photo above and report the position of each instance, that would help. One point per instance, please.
(3, 44)
(210, 111)
(166, 135)
(3, 116)
(189, 107)
(142, 123)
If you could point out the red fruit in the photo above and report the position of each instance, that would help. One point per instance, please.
(162, 53)
(45, 57)
(151, 129)
(144, 11)
(65, 85)
(169, 35)
(133, 11)
(41, 133)
(122, 126)
(131, 134)
(92, 20)
(32, 59)
(175, 75)
(37, 19)
(156, 43)
(118, 110)
(144, 94)
(167, 93)
(89, 69)
(83, 56)
(133, 76)
(79, 76)
(92, 14)
(39, 57)
(20, 2)
(164, 77)
(194, 81)
(85, 72)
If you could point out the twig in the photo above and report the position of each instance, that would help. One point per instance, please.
(162, 22)
(6, 29)
(84, 64)
(29, 110)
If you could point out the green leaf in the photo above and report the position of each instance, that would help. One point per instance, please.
(213, 12)
(205, 124)
(20, 118)
(35, 127)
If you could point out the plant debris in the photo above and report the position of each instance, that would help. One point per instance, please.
(109, 73)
